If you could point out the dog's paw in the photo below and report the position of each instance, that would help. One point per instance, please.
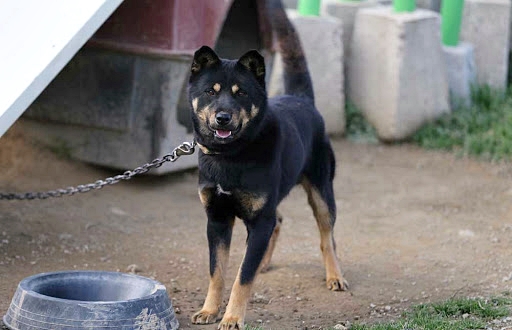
(265, 268)
(204, 317)
(337, 284)
(231, 323)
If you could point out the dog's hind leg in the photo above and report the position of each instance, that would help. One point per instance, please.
(317, 182)
(265, 263)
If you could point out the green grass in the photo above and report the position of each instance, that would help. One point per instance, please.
(357, 128)
(483, 130)
(453, 314)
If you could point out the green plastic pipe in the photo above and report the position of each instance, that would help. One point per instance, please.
(401, 6)
(451, 15)
(309, 7)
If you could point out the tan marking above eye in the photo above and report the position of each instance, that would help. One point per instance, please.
(195, 103)
(216, 87)
(235, 88)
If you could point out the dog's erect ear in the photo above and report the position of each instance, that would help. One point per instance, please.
(255, 63)
(204, 57)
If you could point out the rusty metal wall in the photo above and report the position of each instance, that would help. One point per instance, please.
(163, 26)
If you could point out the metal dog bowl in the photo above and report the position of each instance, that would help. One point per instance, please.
(90, 300)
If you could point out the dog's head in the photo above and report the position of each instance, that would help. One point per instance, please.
(227, 98)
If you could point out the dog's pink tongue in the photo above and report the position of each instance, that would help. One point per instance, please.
(223, 134)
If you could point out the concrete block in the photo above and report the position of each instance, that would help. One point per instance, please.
(461, 72)
(396, 70)
(321, 39)
(291, 4)
(346, 11)
(434, 5)
(384, 2)
(486, 25)
(116, 110)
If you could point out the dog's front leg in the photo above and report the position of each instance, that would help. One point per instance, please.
(219, 239)
(259, 233)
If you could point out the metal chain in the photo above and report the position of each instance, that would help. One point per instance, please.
(186, 148)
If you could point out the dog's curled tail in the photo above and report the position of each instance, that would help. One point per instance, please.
(297, 80)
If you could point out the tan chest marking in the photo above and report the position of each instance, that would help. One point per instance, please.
(205, 195)
(250, 202)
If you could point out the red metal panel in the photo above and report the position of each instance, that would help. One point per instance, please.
(198, 22)
(163, 26)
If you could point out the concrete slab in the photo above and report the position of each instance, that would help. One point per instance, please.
(461, 72)
(397, 70)
(486, 25)
(321, 39)
(346, 11)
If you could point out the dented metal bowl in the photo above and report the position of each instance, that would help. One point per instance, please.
(90, 300)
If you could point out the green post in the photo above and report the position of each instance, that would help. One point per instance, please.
(309, 7)
(451, 17)
(401, 6)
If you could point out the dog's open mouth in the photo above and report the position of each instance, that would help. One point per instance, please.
(223, 134)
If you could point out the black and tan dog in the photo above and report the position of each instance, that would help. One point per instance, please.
(254, 151)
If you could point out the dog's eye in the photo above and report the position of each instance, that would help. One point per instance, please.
(241, 93)
(210, 92)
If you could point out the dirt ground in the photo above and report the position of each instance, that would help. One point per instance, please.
(413, 226)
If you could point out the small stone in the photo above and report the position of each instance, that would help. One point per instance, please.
(118, 211)
(387, 308)
(65, 237)
(466, 233)
(465, 315)
(372, 305)
(133, 269)
(340, 327)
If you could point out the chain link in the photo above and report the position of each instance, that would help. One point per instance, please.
(186, 148)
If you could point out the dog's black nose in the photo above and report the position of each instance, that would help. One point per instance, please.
(223, 118)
